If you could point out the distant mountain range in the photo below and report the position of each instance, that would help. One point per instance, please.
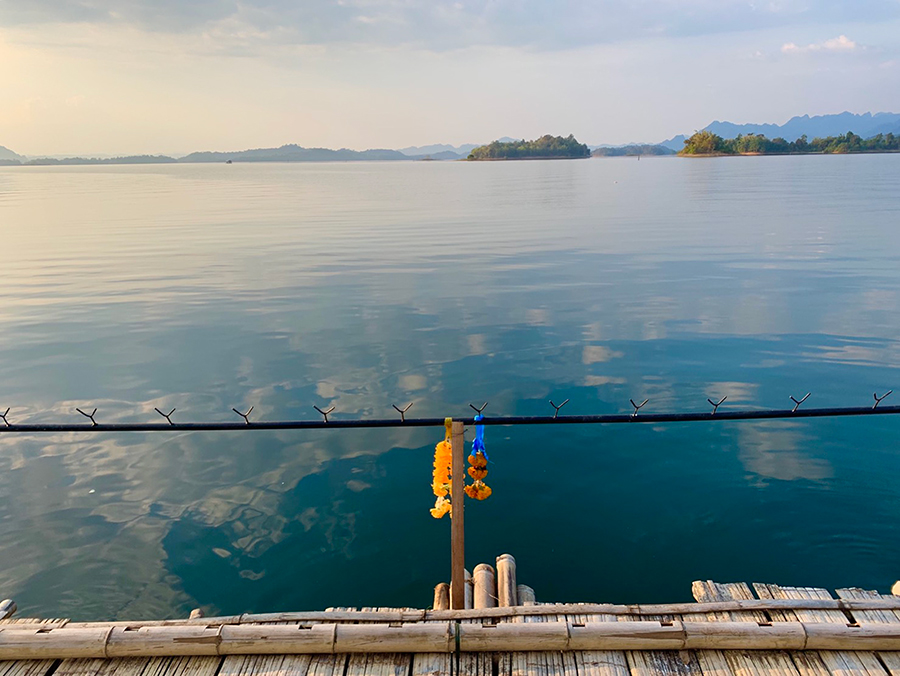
(7, 154)
(444, 151)
(294, 153)
(866, 125)
(286, 153)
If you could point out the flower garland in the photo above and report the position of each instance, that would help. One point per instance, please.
(441, 482)
(441, 478)
(478, 461)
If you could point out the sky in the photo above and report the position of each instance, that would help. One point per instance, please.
(102, 77)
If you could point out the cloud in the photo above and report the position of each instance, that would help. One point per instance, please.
(839, 44)
(439, 24)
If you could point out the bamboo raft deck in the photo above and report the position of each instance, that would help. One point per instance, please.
(781, 630)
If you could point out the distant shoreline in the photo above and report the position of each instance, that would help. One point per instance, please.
(522, 159)
(824, 154)
(80, 162)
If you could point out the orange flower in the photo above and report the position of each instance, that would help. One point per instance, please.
(478, 460)
(441, 506)
(478, 490)
(477, 473)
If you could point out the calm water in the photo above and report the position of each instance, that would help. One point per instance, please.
(362, 285)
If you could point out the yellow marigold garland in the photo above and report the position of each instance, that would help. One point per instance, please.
(441, 482)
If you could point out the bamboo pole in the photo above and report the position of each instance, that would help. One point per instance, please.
(381, 638)
(106, 641)
(273, 639)
(442, 596)
(532, 636)
(628, 635)
(457, 526)
(163, 641)
(525, 595)
(7, 608)
(506, 580)
(485, 592)
(34, 644)
(409, 615)
(738, 635)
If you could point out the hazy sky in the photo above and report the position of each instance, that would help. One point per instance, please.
(172, 76)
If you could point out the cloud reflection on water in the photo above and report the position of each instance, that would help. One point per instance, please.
(676, 300)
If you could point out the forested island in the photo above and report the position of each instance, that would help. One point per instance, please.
(546, 147)
(708, 143)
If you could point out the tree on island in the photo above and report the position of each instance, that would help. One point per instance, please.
(707, 143)
(546, 146)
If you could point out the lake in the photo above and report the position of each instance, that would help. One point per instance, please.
(362, 285)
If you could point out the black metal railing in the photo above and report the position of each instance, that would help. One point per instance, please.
(634, 417)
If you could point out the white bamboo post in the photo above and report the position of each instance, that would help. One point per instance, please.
(7, 608)
(485, 591)
(457, 526)
(470, 591)
(525, 595)
(442, 596)
(506, 580)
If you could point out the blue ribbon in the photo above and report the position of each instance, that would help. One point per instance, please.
(478, 444)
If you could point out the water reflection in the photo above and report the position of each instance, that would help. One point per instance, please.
(774, 450)
(359, 286)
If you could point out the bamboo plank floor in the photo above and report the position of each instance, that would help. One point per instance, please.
(531, 660)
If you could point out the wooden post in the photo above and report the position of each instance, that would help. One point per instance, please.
(457, 527)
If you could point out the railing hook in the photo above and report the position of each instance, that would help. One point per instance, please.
(637, 407)
(325, 413)
(89, 415)
(715, 405)
(555, 415)
(245, 416)
(167, 415)
(401, 411)
(797, 403)
(478, 410)
(878, 399)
